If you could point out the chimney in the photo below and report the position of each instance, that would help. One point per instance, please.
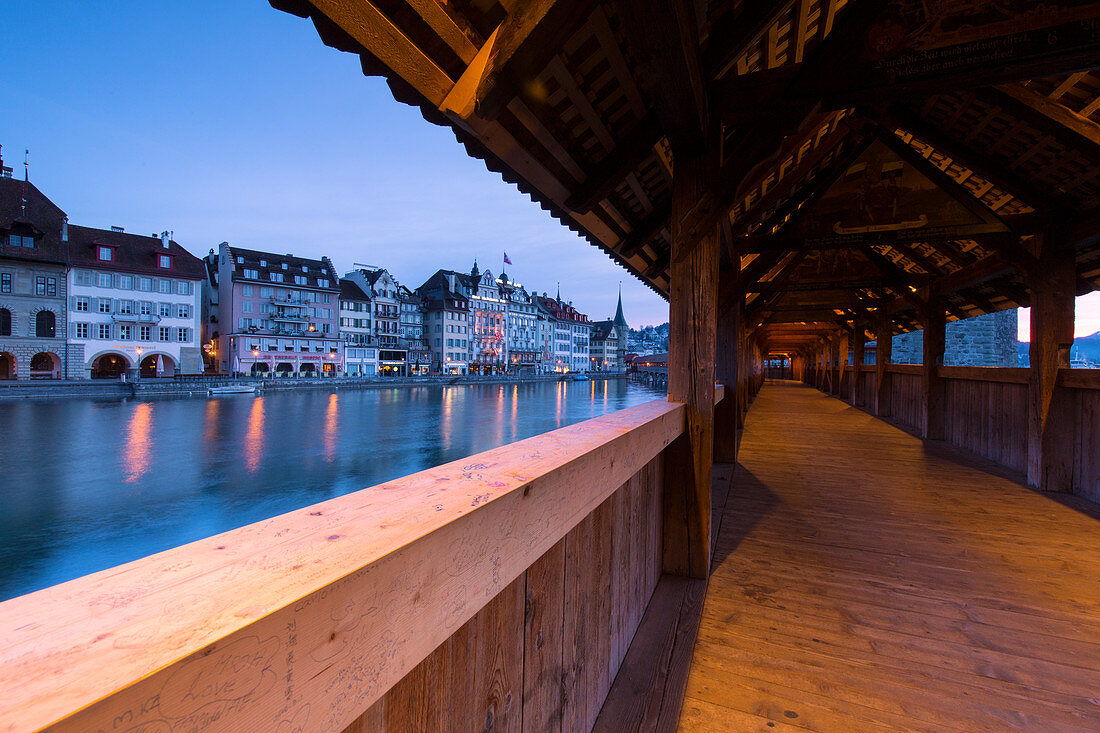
(117, 229)
(5, 171)
(64, 229)
(164, 239)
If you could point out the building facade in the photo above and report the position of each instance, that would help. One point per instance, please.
(522, 327)
(279, 315)
(604, 347)
(417, 354)
(446, 322)
(357, 331)
(33, 286)
(488, 330)
(571, 330)
(136, 304)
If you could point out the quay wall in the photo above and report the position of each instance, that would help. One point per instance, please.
(197, 387)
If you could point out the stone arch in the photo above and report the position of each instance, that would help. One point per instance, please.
(157, 364)
(45, 365)
(8, 365)
(100, 366)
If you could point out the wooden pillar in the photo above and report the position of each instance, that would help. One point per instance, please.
(1050, 410)
(691, 361)
(934, 392)
(859, 341)
(884, 345)
(834, 366)
(727, 416)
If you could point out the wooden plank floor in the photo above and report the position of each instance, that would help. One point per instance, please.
(866, 581)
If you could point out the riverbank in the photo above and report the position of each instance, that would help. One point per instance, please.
(198, 386)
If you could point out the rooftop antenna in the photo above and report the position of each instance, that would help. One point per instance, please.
(26, 178)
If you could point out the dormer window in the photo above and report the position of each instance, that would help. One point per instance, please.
(240, 260)
(263, 263)
(16, 240)
(164, 262)
(104, 253)
(276, 277)
(305, 268)
(284, 265)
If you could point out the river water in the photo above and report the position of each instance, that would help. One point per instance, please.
(89, 484)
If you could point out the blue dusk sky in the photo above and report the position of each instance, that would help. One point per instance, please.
(232, 121)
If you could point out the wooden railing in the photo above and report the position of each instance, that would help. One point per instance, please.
(986, 412)
(500, 591)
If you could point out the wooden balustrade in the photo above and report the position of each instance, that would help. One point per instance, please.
(502, 589)
(984, 409)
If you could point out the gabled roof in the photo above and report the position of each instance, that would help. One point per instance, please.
(349, 290)
(132, 253)
(41, 216)
(601, 330)
(315, 270)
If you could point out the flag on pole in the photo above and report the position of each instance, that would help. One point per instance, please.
(506, 260)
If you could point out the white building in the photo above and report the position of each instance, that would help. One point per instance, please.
(521, 327)
(384, 292)
(360, 345)
(135, 303)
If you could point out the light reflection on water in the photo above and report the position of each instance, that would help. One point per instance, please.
(89, 484)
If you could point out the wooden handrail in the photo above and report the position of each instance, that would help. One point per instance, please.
(915, 369)
(1003, 375)
(1079, 378)
(307, 618)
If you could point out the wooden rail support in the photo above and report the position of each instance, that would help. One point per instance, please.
(884, 345)
(835, 367)
(692, 333)
(858, 343)
(934, 393)
(727, 417)
(1050, 414)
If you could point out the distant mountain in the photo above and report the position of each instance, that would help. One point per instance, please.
(1088, 346)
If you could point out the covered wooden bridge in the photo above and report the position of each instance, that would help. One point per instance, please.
(798, 179)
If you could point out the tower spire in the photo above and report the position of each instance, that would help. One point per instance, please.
(620, 319)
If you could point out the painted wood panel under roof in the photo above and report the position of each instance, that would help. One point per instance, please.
(580, 104)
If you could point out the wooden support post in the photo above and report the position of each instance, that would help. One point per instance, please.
(934, 393)
(1050, 410)
(859, 341)
(835, 367)
(692, 312)
(884, 345)
(727, 417)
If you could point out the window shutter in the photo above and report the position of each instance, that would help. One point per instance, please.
(93, 305)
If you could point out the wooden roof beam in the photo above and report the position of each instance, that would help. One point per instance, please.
(1048, 115)
(900, 115)
(663, 35)
(627, 155)
(523, 44)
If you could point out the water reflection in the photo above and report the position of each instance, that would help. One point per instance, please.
(330, 429)
(254, 436)
(196, 467)
(135, 452)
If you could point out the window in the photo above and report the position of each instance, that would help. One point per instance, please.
(104, 254)
(305, 268)
(165, 333)
(299, 280)
(5, 322)
(81, 330)
(165, 310)
(267, 291)
(126, 282)
(183, 288)
(146, 308)
(124, 333)
(146, 284)
(164, 286)
(240, 260)
(164, 261)
(81, 304)
(263, 263)
(5, 282)
(246, 290)
(284, 265)
(104, 330)
(126, 307)
(104, 280)
(144, 332)
(322, 283)
(276, 277)
(246, 306)
(104, 305)
(183, 311)
(250, 274)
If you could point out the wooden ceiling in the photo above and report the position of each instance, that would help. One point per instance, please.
(993, 103)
